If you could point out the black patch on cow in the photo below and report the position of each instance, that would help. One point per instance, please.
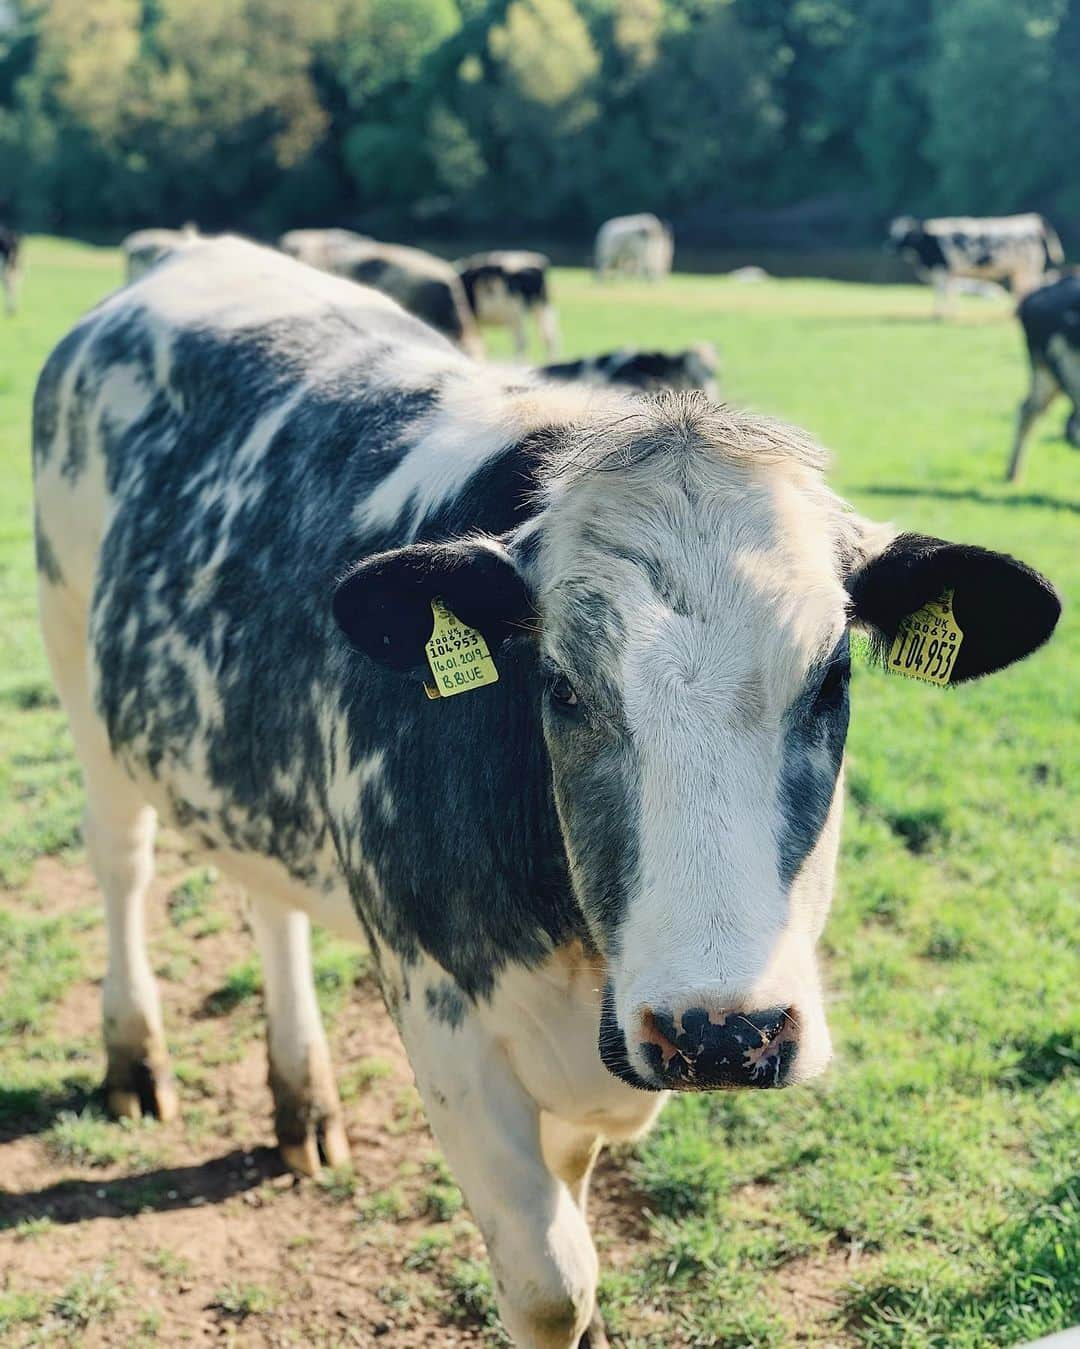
(646, 371)
(445, 1003)
(9, 248)
(528, 283)
(47, 561)
(814, 736)
(1004, 609)
(1046, 313)
(922, 248)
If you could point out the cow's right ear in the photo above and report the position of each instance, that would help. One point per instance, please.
(383, 605)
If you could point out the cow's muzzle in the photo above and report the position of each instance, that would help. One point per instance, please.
(701, 1049)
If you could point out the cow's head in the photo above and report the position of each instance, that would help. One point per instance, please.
(691, 586)
(903, 233)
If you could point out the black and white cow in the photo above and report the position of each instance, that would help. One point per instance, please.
(319, 247)
(9, 267)
(647, 371)
(506, 287)
(1013, 248)
(144, 248)
(634, 245)
(598, 878)
(420, 282)
(1051, 322)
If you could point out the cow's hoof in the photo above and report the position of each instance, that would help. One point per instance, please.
(324, 1143)
(308, 1122)
(137, 1087)
(596, 1336)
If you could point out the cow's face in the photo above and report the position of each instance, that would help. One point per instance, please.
(691, 594)
(904, 234)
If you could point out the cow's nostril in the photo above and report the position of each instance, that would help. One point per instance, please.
(701, 1048)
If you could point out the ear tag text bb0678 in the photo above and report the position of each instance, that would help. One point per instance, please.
(458, 656)
(927, 642)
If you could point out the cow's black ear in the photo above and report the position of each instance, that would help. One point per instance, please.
(383, 605)
(1003, 608)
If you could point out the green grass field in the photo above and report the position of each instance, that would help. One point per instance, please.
(925, 1192)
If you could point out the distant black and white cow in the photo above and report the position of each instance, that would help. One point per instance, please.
(506, 287)
(1051, 321)
(647, 371)
(420, 282)
(634, 245)
(596, 867)
(144, 248)
(1013, 248)
(9, 267)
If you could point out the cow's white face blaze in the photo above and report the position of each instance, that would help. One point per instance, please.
(692, 610)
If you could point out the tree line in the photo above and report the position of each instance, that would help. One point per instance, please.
(541, 116)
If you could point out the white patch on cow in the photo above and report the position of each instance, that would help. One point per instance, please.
(706, 675)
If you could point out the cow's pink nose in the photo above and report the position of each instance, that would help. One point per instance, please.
(700, 1050)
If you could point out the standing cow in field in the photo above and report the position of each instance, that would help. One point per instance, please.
(9, 268)
(319, 248)
(1051, 323)
(646, 371)
(588, 826)
(505, 287)
(635, 245)
(1013, 248)
(144, 248)
(420, 282)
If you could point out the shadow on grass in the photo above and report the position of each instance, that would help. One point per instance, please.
(970, 494)
(29, 1110)
(178, 1187)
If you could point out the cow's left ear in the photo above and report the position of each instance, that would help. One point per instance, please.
(1003, 608)
(383, 605)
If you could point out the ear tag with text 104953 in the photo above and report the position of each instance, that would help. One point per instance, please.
(458, 656)
(927, 642)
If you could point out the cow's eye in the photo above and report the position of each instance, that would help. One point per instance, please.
(833, 685)
(562, 691)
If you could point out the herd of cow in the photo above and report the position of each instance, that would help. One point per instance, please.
(537, 686)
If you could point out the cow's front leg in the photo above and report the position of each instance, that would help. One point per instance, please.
(542, 1256)
(307, 1111)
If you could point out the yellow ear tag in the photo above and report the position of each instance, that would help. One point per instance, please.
(926, 643)
(458, 656)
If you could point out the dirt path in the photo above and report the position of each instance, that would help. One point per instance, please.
(194, 1233)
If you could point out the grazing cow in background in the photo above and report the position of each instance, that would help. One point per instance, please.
(420, 282)
(144, 248)
(591, 866)
(318, 248)
(1013, 248)
(9, 267)
(1051, 321)
(648, 371)
(636, 245)
(505, 287)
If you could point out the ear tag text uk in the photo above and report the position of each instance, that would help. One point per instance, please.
(458, 656)
(926, 643)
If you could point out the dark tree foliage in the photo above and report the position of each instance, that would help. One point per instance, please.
(541, 115)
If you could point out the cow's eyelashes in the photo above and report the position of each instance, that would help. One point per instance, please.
(833, 685)
(561, 692)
